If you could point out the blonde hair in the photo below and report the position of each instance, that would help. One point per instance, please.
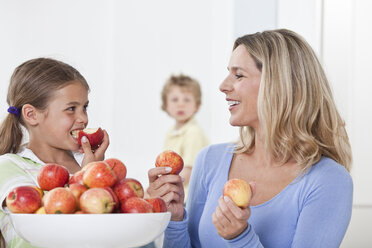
(296, 109)
(33, 82)
(182, 81)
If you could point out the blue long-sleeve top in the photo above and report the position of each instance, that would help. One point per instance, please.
(313, 211)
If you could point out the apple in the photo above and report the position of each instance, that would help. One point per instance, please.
(94, 135)
(52, 176)
(41, 210)
(41, 192)
(119, 167)
(239, 191)
(158, 204)
(59, 201)
(77, 177)
(97, 201)
(127, 188)
(23, 199)
(171, 159)
(77, 190)
(136, 205)
(114, 196)
(99, 175)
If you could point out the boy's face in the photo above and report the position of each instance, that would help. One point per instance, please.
(66, 112)
(181, 104)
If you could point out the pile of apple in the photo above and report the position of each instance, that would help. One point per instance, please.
(99, 187)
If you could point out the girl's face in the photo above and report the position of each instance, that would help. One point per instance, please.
(66, 111)
(181, 104)
(241, 88)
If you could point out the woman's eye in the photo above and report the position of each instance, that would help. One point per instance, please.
(238, 76)
(85, 108)
(71, 108)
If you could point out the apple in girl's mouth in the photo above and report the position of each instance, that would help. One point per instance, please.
(94, 135)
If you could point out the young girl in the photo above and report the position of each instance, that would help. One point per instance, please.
(48, 99)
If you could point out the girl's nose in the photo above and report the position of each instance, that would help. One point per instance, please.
(83, 118)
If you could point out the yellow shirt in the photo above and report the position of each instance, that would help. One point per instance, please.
(187, 142)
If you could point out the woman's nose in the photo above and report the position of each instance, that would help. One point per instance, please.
(225, 86)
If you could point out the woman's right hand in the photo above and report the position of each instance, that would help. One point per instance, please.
(169, 188)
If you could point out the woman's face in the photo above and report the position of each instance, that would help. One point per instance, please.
(241, 88)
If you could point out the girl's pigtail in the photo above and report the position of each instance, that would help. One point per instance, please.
(11, 134)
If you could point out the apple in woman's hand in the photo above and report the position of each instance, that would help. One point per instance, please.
(239, 191)
(94, 135)
(170, 159)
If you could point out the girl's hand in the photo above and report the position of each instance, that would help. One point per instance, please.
(230, 220)
(98, 154)
(169, 188)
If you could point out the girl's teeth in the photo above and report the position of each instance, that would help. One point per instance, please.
(231, 103)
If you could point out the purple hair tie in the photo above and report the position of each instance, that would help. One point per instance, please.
(13, 110)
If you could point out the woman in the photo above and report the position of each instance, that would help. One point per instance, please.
(293, 149)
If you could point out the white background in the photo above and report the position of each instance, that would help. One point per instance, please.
(127, 49)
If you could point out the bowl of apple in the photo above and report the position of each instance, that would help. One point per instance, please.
(97, 206)
(90, 230)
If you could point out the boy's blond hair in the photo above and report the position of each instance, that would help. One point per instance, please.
(184, 82)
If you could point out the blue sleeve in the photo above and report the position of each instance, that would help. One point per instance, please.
(186, 233)
(246, 239)
(326, 211)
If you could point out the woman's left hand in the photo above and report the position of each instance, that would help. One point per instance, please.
(229, 219)
(98, 154)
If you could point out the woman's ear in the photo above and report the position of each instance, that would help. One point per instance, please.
(29, 114)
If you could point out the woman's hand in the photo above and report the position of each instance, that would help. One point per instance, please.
(98, 154)
(230, 220)
(169, 188)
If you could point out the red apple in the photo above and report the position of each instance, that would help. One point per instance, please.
(77, 177)
(114, 196)
(119, 168)
(52, 176)
(136, 205)
(59, 201)
(23, 199)
(158, 204)
(171, 159)
(239, 191)
(127, 188)
(97, 201)
(94, 135)
(77, 190)
(99, 175)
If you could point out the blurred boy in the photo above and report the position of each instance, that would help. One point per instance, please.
(181, 99)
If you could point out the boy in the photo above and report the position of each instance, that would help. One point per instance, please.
(181, 99)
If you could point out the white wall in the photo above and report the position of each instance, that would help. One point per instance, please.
(126, 50)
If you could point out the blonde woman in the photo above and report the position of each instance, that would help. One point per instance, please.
(293, 149)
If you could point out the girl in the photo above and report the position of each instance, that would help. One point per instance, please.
(48, 99)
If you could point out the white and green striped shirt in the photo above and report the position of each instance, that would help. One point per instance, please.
(18, 170)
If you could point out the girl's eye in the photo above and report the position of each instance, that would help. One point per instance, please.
(71, 108)
(238, 76)
(174, 100)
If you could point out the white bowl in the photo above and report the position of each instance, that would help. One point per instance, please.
(90, 230)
